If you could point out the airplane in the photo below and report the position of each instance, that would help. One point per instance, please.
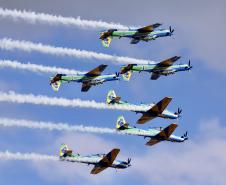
(100, 161)
(156, 135)
(149, 111)
(164, 68)
(88, 80)
(136, 35)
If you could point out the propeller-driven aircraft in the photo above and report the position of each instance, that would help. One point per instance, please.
(146, 33)
(155, 134)
(149, 111)
(92, 78)
(100, 161)
(164, 68)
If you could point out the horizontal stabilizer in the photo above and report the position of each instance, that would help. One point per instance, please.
(127, 68)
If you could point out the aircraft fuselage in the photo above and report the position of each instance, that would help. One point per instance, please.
(151, 133)
(144, 36)
(94, 159)
(142, 108)
(161, 70)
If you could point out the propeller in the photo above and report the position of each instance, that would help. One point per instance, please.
(185, 136)
(179, 111)
(128, 161)
(171, 30)
(189, 64)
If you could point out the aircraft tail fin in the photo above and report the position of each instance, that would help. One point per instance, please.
(56, 85)
(126, 76)
(65, 151)
(121, 123)
(112, 98)
(106, 42)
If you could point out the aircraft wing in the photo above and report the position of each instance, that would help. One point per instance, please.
(163, 135)
(152, 142)
(85, 86)
(97, 71)
(155, 76)
(97, 169)
(134, 40)
(145, 118)
(155, 110)
(106, 161)
(168, 62)
(148, 28)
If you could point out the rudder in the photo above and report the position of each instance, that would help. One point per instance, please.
(121, 123)
(106, 42)
(126, 76)
(65, 151)
(110, 96)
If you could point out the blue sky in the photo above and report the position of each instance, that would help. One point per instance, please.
(200, 93)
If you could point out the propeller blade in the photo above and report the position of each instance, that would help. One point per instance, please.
(171, 30)
(179, 111)
(185, 136)
(129, 160)
(189, 64)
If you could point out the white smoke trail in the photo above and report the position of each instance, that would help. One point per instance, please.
(36, 68)
(34, 17)
(9, 44)
(26, 156)
(63, 102)
(54, 126)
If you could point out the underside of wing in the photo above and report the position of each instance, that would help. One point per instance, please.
(168, 62)
(166, 132)
(97, 169)
(134, 41)
(145, 118)
(159, 107)
(152, 142)
(109, 158)
(148, 28)
(97, 71)
(155, 76)
(155, 110)
(106, 161)
(163, 135)
(86, 87)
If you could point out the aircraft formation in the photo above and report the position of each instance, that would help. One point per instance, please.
(149, 111)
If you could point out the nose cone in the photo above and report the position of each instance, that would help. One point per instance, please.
(168, 33)
(188, 67)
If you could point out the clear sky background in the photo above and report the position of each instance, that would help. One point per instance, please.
(199, 36)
